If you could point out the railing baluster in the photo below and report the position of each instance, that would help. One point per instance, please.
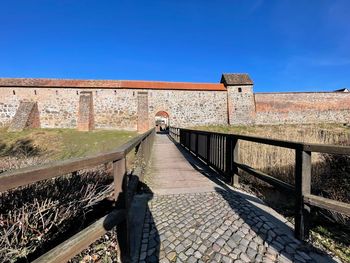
(235, 157)
(208, 148)
(119, 171)
(302, 187)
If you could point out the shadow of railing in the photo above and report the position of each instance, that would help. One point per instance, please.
(284, 231)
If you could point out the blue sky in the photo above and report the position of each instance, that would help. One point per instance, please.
(284, 45)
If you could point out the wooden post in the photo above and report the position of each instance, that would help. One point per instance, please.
(120, 186)
(208, 149)
(228, 157)
(235, 157)
(302, 187)
(119, 170)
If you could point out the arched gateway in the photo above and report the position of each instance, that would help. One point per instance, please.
(162, 121)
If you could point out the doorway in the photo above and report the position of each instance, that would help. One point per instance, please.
(162, 122)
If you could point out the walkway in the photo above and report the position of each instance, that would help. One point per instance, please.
(194, 217)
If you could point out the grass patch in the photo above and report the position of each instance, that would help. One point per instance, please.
(44, 145)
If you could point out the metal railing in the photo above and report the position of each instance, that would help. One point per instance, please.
(221, 151)
(124, 188)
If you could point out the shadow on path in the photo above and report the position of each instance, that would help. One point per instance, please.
(272, 228)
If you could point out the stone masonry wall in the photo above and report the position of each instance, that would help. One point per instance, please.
(116, 108)
(189, 108)
(241, 105)
(303, 107)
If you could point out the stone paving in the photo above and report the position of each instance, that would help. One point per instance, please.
(219, 225)
(214, 227)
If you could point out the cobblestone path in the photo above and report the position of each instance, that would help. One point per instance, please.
(219, 225)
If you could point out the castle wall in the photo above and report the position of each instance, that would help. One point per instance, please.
(116, 108)
(132, 105)
(302, 107)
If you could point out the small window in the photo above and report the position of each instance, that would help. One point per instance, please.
(56, 92)
(115, 92)
(77, 92)
(14, 92)
(239, 89)
(34, 92)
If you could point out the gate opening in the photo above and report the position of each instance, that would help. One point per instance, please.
(162, 122)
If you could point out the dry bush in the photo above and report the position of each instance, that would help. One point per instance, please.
(34, 216)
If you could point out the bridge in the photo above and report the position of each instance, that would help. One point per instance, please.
(180, 201)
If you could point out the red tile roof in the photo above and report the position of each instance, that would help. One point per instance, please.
(113, 84)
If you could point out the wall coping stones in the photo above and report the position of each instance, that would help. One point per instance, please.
(109, 84)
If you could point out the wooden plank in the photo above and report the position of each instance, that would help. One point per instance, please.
(80, 241)
(24, 176)
(130, 145)
(119, 170)
(266, 178)
(331, 149)
(274, 142)
(235, 159)
(340, 207)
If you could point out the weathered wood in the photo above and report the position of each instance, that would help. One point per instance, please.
(130, 145)
(235, 158)
(274, 142)
(266, 178)
(119, 171)
(28, 175)
(326, 203)
(331, 149)
(302, 187)
(208, 149)
(80, 241)
(229, 155)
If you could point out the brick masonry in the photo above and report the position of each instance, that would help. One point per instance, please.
(117, 104)
(86, 112)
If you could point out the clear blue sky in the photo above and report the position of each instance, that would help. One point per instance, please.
(284, 45)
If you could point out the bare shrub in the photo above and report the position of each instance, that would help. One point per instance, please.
(33, 216)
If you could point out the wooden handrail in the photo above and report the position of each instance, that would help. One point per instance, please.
(77, 243)
(31, 174)
(124, 186)
(222, 154)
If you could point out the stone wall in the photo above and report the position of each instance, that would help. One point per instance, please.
(133, 105)
(116, 108)
(241, 105)
(302, 107)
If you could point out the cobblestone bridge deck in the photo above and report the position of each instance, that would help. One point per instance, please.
(193, 216)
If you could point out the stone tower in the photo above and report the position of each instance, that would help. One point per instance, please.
(240, 98)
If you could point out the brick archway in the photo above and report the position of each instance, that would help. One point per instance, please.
(162, 121)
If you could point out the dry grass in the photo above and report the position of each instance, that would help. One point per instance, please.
(33, 217)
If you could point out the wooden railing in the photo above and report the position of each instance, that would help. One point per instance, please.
(124, 187)
(221, 151)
